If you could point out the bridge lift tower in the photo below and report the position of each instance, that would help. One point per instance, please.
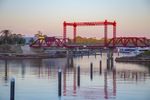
(75, 24)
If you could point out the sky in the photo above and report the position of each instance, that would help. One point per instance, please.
(29, 16)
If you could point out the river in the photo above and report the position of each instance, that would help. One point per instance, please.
(37, 79)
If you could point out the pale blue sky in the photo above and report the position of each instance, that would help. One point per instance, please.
(29, 16)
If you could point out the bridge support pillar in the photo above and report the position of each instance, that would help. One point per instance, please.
(70, 57)
(110, 61)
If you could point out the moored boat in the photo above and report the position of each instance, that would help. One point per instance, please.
(133, 50)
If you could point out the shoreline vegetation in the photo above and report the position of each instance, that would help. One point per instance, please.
(29, 56)
(142, 57)
(8, 51)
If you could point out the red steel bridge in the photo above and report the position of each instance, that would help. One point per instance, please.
(53, 42)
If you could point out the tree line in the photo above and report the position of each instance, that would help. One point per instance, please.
(7, 37)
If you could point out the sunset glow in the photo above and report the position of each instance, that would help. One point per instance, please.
(29, 16)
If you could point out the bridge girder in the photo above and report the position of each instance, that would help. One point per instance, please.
(112, 43)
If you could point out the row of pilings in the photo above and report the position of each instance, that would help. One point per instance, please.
(109, 64)
(109, 59)
(77, 77)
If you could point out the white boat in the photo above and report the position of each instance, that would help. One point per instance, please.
(133, 50)
(127, 50)
(140, 50)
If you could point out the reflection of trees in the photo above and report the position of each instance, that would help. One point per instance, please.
(132, 76)
(146, 65)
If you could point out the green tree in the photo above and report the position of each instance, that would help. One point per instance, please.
(8, 38)
(5, 36)
(23, 41)
(31, 40)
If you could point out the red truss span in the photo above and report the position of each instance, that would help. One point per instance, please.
(112, 43)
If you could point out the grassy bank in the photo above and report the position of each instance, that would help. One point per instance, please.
(146, 53)
(7, 48)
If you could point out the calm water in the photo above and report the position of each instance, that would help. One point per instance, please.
(38, 80)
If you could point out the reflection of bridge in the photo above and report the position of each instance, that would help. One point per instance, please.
(53, 42)
(73, 87)
(109, 88)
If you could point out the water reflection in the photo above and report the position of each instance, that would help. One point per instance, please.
(132, 76)
(108, 93)
(104, 83)
(23, 70)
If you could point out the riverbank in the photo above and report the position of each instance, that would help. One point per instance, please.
(143, 57)
(29, 56)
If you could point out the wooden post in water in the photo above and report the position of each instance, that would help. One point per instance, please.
(112, 62)
(81, 54)
(100, 67)
(6, 76)
(59, 82)
(78, 76)
(118, 52)
(74, 54)
(12, 89)
(91, 71)
(108, 63)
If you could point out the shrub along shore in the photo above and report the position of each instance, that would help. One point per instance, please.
(29, 56)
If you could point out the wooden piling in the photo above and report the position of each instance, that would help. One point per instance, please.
(91, 71)
(59, 82)
(112, 62)
(78, 76)
(12, 89)
(100, 67)
(108, 63)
